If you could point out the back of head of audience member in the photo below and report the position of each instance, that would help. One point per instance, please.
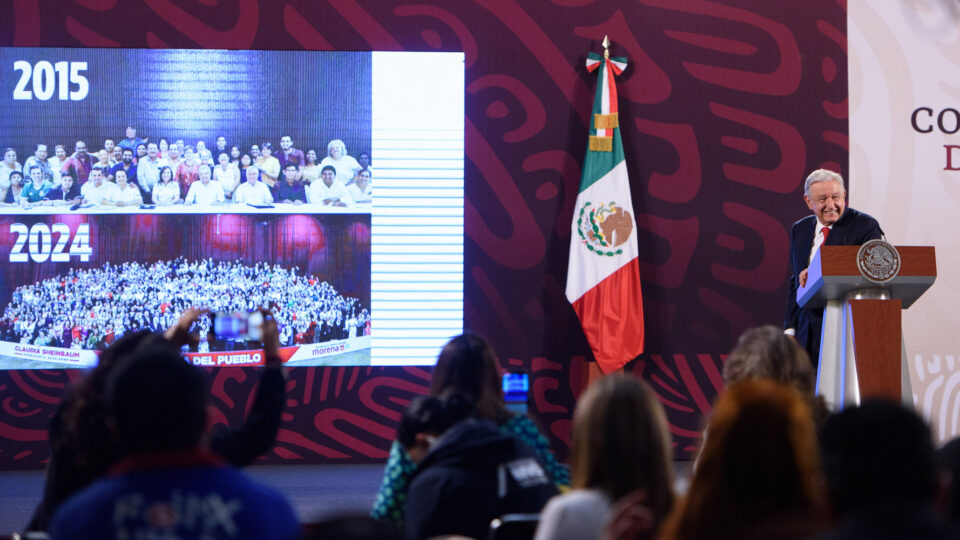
(157, 401)
(82, 443)
(757, 470)
(620, 443)
(468, 365)
(948, 462)
(878, 456)
(426, 418)
(766, 352)
(468, 472)
(85, 414)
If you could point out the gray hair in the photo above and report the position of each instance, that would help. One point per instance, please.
(337, 142)
(821, 175)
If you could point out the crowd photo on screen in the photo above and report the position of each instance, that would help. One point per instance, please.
(91, 308)
(148, 172)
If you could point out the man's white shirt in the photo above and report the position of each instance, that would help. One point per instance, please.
(106, 192)
(257, 193)
(205, 194)
(818, 240)
(148, 172)
(318, 192)
(360, 196)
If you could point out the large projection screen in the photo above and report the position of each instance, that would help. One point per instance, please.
(361, 263)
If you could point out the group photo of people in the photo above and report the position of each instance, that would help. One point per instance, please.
(91, 308)
(149, 173)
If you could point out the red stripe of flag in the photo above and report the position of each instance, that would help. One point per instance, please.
(609, 313)
(613, 88)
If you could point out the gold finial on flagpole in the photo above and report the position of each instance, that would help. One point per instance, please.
(606, 47)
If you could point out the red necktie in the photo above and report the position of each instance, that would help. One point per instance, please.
(826, 233)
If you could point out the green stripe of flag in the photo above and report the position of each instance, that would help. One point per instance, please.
(598, 164)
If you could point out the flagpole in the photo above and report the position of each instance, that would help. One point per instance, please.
(603, 280)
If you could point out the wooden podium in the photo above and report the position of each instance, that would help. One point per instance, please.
(861, 346)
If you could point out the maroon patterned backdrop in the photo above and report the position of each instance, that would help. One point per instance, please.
(723, 109)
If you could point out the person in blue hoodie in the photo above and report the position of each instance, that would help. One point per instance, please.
(169, 485)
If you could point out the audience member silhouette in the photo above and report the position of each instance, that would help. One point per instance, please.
(168, 485)
(756, 477)
(948, 462)
(766, 352)
(620, 446)
(467, 365)
(881, 475)
(469, 471)
(83, 449)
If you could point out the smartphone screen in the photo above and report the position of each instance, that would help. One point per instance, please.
(238, 326)
(254, 324)
(516, 387)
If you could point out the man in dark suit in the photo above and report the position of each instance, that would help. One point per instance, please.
(833, 224)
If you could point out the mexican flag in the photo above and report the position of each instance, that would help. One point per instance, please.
(603, 277)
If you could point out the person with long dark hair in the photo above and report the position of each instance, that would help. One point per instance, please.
(311, 170)
(235, 155)
(467, 365)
